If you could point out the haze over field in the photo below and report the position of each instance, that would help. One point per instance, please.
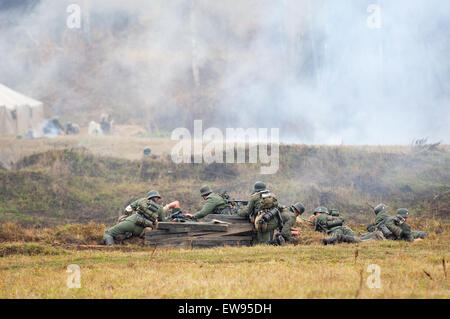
(316, 69)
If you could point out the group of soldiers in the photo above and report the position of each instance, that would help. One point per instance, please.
(273, 223)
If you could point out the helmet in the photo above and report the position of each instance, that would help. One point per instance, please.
(151, 194)
(321, 209)
(205, 190)
(259, 186)
(403, 212)
(379, 208)
(299, 207)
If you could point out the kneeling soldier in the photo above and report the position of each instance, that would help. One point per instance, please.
(286, 222)
(261, 210)
(147, 214)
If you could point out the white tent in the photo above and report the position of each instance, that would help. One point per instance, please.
(18, 113)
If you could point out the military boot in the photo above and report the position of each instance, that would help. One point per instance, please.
(280, 240)
(330, 240)
(109, 241)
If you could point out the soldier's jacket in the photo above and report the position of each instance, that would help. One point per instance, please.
(214, 204)
(133, 206)
(406, 233)
(289, 218)
(328, 224)
(399, 232)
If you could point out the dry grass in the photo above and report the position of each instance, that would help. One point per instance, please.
(61, 235)
(294, 271)
(256, 272)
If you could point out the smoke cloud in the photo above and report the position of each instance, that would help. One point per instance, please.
(322, 71)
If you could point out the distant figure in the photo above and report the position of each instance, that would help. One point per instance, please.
(94, 128)
(72, 128)
(53, 127)
(29, 135)
(147, 151)
(106, 122)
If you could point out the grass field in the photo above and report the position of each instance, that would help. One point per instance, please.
(302, 271)
(35, 266)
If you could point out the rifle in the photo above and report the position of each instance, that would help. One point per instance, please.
(370, 206)
(179, 216)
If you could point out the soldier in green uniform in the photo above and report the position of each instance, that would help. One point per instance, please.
(262, 203)
(333, 225)
(147, 214)
(402, 215)
(131, 209)
(214, 204)
(392, 228)
(288, 218)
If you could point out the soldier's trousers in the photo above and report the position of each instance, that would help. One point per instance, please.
(264, 238)
(128, 225)
(341, 230)
(418, 234)
(375, 235)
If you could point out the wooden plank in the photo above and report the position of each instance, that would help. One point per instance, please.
(222, 238)
(149, 236)
(202, 238)
(177, 230)
(225, 218)
(234, 231)
(192, 226)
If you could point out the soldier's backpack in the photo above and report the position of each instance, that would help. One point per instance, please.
(153, 207)
(266, 202)
(224, 210)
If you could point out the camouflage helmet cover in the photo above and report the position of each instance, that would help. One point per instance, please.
(379, 208)
(299, 207)
(403, 212)
(259, 186)
(151, 194)
(205, 190)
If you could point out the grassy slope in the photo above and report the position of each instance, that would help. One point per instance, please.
(79, 184)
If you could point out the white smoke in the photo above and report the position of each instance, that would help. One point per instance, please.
(312, 68)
